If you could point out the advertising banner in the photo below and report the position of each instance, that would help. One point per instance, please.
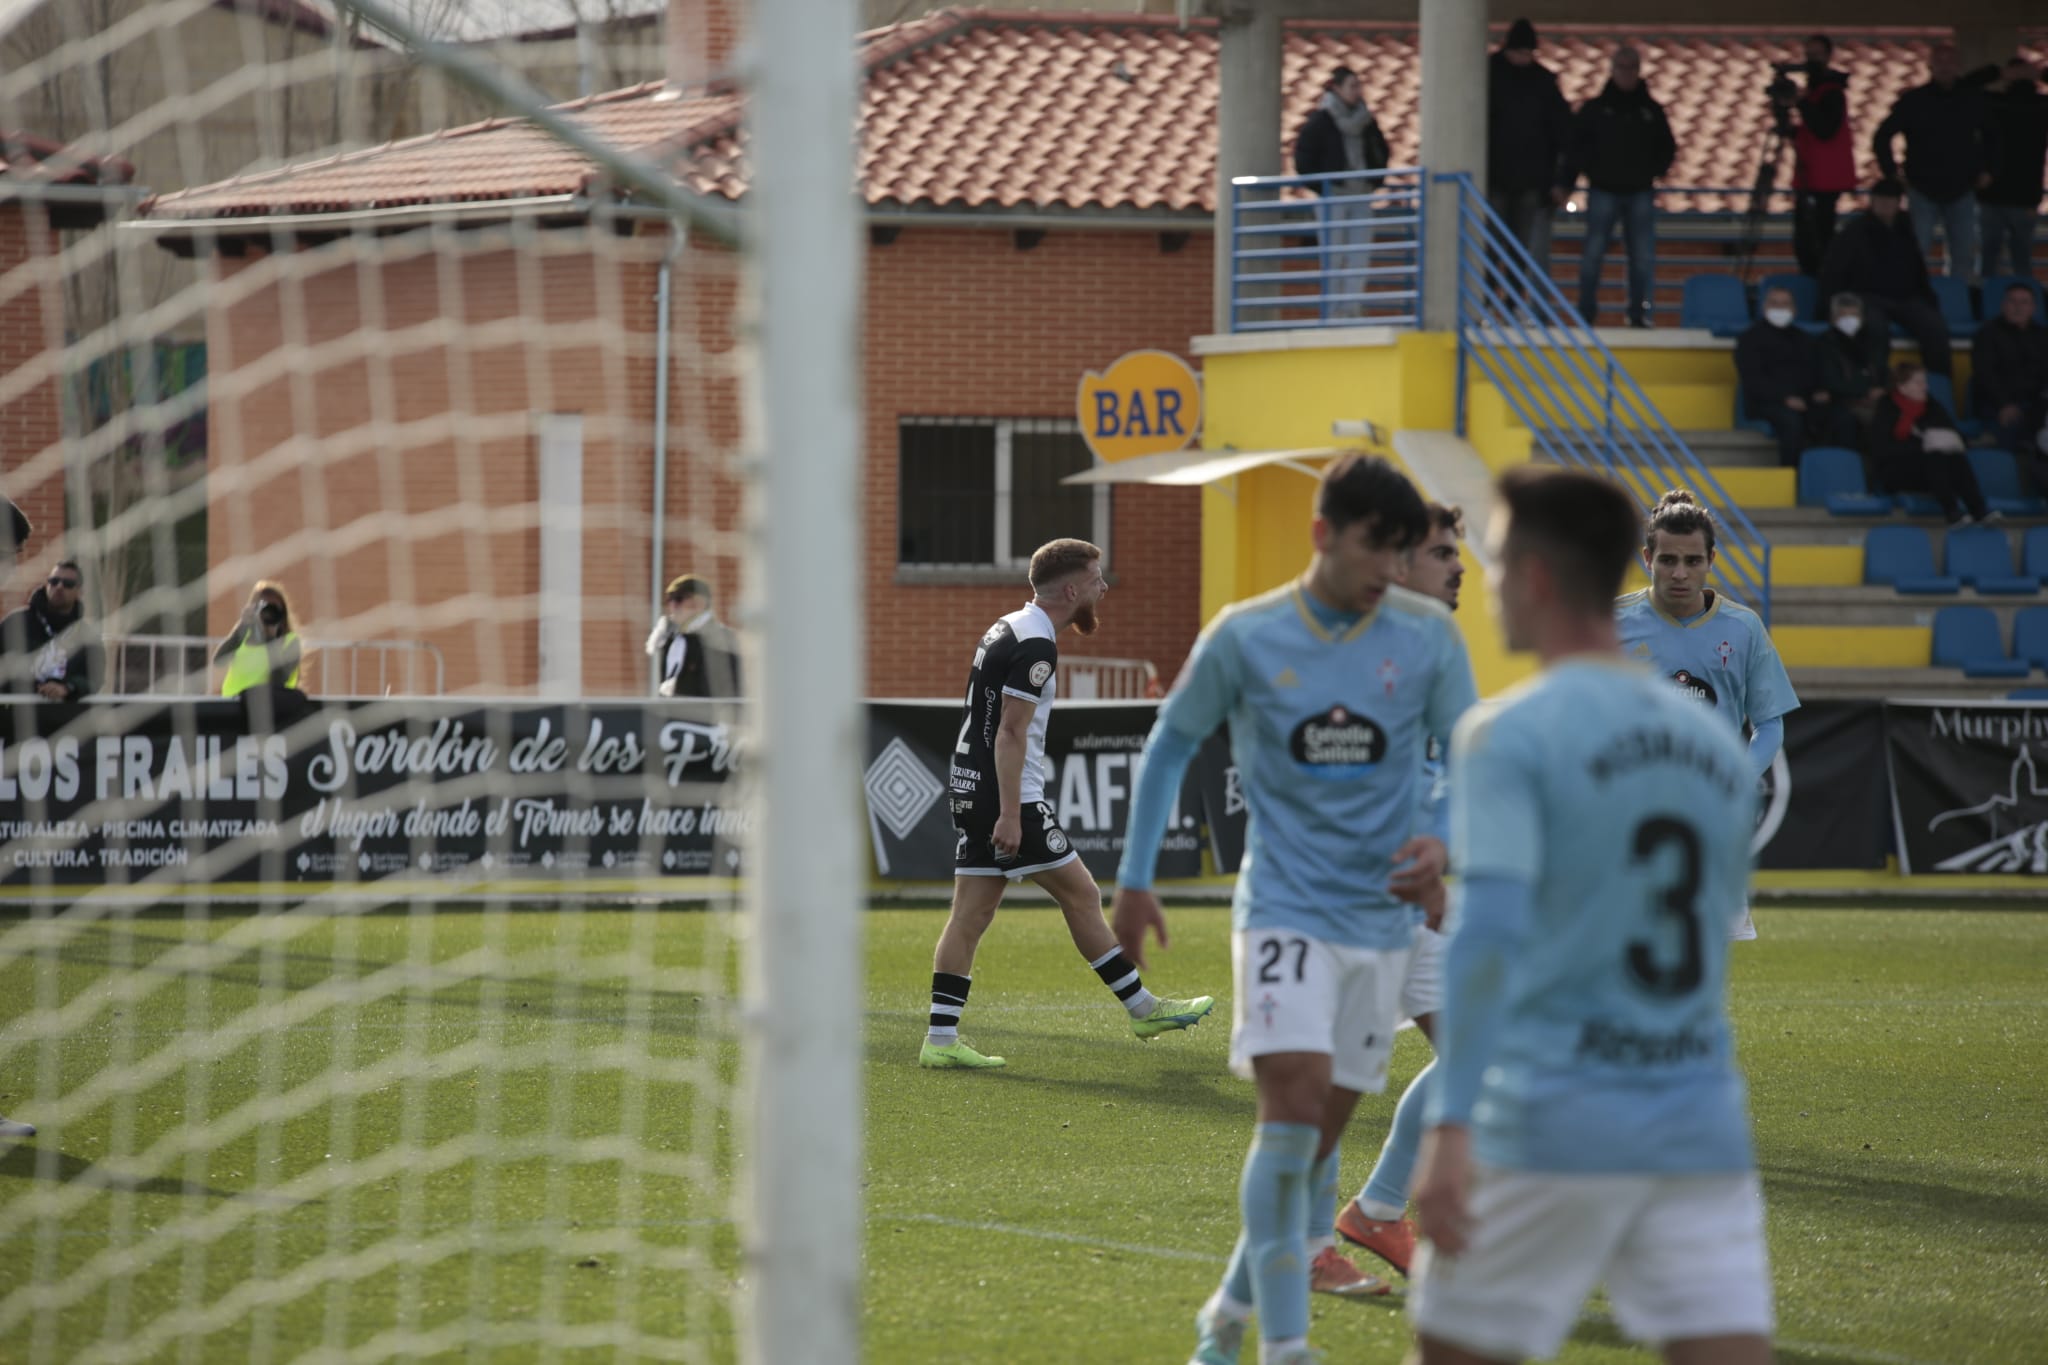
(1824, 802)
(1092, 765)
(1969, 784)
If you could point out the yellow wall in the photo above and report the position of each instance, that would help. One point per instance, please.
(1255, 526)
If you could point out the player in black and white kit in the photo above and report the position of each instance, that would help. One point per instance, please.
(1007, 831)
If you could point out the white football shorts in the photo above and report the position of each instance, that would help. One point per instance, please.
(1299, 994)
(1682, 1257)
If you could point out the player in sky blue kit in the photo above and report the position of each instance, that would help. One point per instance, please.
(1716, 651)
(1333, 687)
(1587, 1122)
(1373, 1219)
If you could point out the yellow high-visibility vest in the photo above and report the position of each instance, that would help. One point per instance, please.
(251, 667)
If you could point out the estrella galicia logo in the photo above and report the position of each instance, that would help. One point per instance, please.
(1338, 742)
(1696, 687)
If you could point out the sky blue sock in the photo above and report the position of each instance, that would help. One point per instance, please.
(1274, 1198)
(1388, 1183)
(1322, 1197)
(1237, 1277)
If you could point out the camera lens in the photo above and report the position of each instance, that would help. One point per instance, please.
(271, 613)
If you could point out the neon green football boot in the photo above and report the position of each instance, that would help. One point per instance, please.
(1169, 1015)
(958, 1056)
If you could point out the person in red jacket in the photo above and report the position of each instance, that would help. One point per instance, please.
(1823, 154)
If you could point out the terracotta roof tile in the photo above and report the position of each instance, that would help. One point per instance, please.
(973, 109)
(26, 159)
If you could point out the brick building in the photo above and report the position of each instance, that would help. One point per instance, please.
(988, 296)
(1039, 190)
(44, 189)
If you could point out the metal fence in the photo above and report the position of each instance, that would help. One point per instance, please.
(1085, 679)
(1341, 250)
(1580, 404)
(182, 666)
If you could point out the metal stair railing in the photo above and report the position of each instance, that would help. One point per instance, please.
(1581, 406)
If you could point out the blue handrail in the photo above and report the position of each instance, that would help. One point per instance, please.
(1581, 406)
(1343, 249)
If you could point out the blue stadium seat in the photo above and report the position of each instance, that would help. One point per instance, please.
(1982, 558)
(2034, 560)
(1952, 292)
(2028, 694)
(1998, 474)
(1942, 390)
(1918, 504)
(1994, 295)
(1805, 293)
(2030, 637)
(1832, 477)
(1717, 303)
(1902, 558)
(1967, 638)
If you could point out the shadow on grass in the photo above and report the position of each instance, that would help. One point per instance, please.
(25, 1162)
(1922, 1205)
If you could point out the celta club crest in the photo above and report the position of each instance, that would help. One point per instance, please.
(1267, 1004)
(1390, 675)
(1724, 652)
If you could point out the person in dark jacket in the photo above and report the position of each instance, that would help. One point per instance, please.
(1780, 371)
(1915, 448)
(1951, 146)
(2009, 383)
(1852, 363)
(1622, 143)
(699, 655)
(1528, 124)
(1823, 154)
(49, 648)
(2008, 204)
(1341, 134)
(1877, 257)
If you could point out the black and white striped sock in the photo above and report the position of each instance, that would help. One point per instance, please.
(1121, 977)
(949, 997)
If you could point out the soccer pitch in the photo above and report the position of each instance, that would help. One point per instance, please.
(1074, 1207)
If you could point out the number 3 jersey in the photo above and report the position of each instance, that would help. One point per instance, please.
(1627, 810)
(1330, 719)
(1017, 658)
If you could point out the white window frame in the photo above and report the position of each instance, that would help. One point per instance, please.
(1006, 557)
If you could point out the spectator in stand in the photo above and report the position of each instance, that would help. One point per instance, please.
(1341, 134)
(2019, 111)
(1877, 257)
(1915, 448)
(2009, 386)
(1622, 143)
(1527, 126)
(1951, 147)
(1823, 154)
(50, 649)
(1852, 363)
(698, 653)
(263, 649)
(1779, 366)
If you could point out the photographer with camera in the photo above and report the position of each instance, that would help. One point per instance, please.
(262, 650)
(1816, 122)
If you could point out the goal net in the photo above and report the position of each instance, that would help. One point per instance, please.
(432, 430)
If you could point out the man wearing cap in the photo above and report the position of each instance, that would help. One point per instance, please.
(1527, 125)
(698, 653)
(1877, 256)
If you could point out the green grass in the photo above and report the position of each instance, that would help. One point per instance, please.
(1075, 1207)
